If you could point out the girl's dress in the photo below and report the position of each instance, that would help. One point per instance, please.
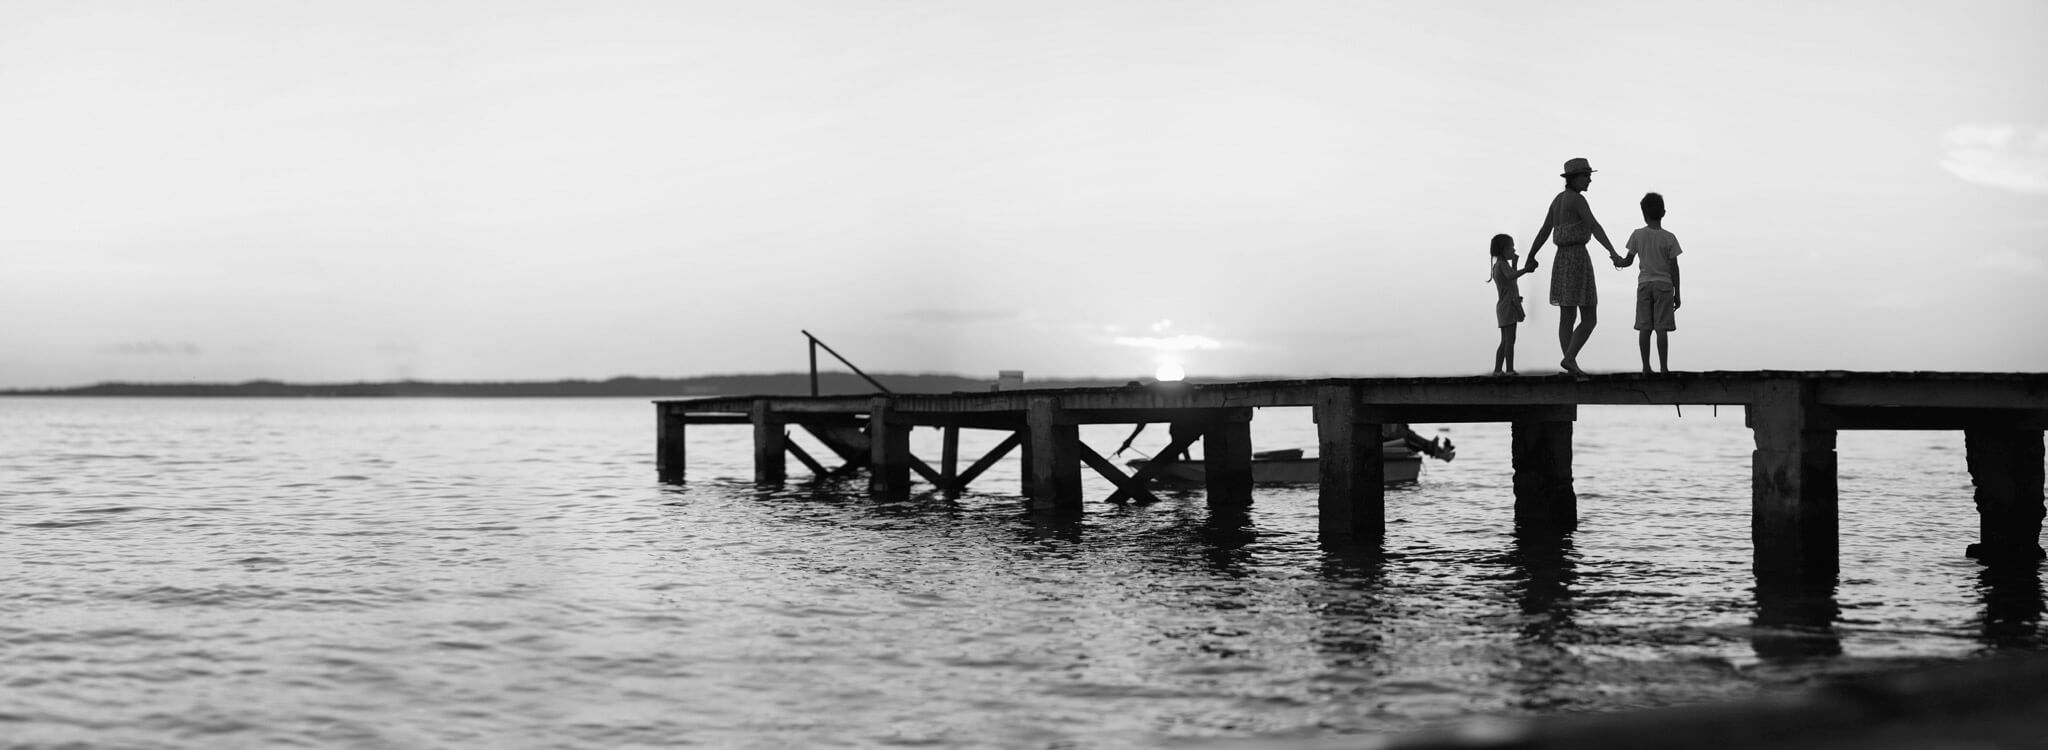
(1507, 311)
(1571, 279)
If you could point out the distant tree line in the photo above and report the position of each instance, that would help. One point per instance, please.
(773, 384)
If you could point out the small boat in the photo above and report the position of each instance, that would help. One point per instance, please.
(1403, 464)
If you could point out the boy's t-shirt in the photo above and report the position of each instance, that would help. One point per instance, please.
(1654, 250)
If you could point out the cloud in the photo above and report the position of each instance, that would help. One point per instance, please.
(2013, 263)
(1181, 343)
(1999, 155)
(155, 348)
(939, 315)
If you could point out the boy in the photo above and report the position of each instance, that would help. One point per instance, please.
(1657, 284)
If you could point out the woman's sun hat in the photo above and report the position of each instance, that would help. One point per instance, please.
(1577, 166)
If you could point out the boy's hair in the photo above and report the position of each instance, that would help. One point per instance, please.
(1653, 207)
(1501, 245)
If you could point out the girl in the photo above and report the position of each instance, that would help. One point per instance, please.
(1508, 311)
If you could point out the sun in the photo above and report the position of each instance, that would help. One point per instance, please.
(1169, 372)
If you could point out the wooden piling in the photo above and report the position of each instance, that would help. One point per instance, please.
(1352, 501)
(1054, 453)
(670, 457)
(889, 446)
(770, 445)
(1794, 514)
(949, 461)
(1227, 462)
(2006, 468)
(1541, 450)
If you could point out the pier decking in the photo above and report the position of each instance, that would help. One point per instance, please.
(1794, 417)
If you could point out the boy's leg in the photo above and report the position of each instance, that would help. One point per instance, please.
(1664, 320)
(1646, 320)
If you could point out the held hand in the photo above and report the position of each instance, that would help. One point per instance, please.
(1675, 303)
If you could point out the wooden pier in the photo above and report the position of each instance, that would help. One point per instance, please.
(1794, 417)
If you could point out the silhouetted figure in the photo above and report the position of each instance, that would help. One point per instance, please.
(1175, 431)
(1437, 448)
(1507, 312)
(1656, 284)
(1571, 224)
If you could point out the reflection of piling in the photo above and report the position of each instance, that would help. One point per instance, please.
(1794, 417)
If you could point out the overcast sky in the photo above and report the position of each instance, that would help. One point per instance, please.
(506, 190)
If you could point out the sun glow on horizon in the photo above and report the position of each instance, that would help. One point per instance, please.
(1169, 372)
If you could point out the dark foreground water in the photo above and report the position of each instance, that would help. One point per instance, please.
(508, 574)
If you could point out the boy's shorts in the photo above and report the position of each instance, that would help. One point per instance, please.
(1656, 307)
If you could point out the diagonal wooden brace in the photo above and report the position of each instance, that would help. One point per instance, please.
(801, 455)
(1156, 466)
(994, 454)
(1126, 486)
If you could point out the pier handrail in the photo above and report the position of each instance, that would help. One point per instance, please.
(815, 343)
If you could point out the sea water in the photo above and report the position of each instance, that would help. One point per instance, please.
(416, 573)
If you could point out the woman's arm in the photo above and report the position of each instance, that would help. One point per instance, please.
(1599, 232)
(1542, 235)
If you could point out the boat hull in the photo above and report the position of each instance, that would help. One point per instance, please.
(1401, 466)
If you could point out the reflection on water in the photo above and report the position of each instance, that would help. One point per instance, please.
(1542, 570)
(451, 573)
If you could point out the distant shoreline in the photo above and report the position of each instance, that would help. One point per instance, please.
(771, 384)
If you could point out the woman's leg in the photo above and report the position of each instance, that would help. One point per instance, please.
(1566, 316)
(1590, 317)
(1573, 339)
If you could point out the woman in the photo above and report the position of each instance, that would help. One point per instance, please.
(1571, 273)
